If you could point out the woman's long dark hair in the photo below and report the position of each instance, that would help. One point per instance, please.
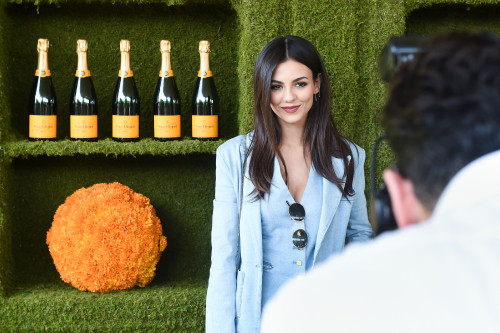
(320, 133)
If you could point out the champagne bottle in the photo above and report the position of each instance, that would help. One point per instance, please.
(166, 101)
(83, 102)
(205, 111)
(126, 104)
(42, 111)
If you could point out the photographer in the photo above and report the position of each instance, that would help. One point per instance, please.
(441, 272)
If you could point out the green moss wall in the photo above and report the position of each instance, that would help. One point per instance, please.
(178, 177)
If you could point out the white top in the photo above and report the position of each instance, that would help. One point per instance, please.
(442, 275)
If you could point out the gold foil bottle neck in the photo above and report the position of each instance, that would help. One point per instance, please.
(124, 45)
(165, 46)
(204, 46)
(43, 45)
(81, 50)
(81, 45)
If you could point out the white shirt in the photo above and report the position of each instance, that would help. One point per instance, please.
(442, 275)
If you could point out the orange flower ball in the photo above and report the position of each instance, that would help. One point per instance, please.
(106, 237)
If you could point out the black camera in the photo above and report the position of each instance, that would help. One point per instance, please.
(397, 51)
(381, 202)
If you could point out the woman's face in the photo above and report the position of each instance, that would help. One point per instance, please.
(292, 92)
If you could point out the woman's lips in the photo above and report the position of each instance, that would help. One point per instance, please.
(290, 109)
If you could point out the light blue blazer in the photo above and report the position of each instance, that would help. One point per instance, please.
(234, 297)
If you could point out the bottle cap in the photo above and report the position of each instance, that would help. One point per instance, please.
(204, 46)
(43, 45)
(124, 45)
(165, 46)
(81, 45)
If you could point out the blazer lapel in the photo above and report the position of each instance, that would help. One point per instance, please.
(331, 200)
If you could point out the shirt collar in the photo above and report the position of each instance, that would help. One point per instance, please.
(474, 190)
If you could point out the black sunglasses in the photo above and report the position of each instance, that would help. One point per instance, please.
(298, 213)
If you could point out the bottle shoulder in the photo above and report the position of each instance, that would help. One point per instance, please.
(42, 90)
(126, 90)
(166, 90)
(205, 89)
(83, 88)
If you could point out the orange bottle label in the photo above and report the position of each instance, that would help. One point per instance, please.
(166, 74)
(42, 73)
(83, 127)
(85, 73)
(129, 73)
(205, 126)
(126, 127)
(167, 126)
(205, 74)
(43, 127)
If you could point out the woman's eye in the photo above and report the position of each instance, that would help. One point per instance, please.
(301, 84)
(275, 87)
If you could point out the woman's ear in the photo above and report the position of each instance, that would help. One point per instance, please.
(406, 207)
(317, 83)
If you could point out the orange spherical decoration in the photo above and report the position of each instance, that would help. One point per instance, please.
(106, 237)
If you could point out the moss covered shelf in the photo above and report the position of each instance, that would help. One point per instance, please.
(173, 308)
(108, 147)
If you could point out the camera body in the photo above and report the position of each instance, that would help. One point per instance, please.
(398, 50)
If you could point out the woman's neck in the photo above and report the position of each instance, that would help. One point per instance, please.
(292, 135)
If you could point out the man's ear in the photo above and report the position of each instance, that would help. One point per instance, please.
(406, 207)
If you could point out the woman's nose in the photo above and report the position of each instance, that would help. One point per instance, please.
(289, 95)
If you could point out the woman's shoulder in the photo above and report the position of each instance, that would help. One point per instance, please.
(357, 152)
(233, 145)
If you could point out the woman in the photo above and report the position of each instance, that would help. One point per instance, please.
(302, 194)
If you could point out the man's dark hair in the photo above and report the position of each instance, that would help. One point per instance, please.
(443, 110)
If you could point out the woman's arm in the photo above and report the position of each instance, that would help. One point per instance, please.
(359, 228)
(220, 306)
